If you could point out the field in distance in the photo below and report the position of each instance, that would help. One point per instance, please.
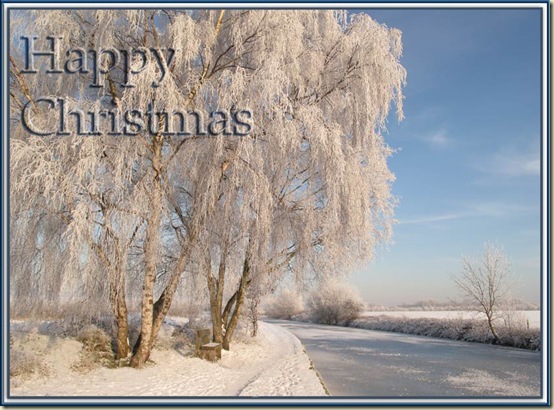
(532, 317)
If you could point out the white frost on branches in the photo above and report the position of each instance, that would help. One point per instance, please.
(307, 192)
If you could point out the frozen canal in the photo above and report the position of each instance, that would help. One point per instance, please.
(357, 362)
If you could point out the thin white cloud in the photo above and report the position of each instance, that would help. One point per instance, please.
(433, 218)
(500, 209)
(512, 163)
(484, 209)
(438, 139)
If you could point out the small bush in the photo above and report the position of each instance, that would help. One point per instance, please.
(284, 305)
(173, 338)
(182, 339)
(334, 303)
(94, 339)
(27, 356)
(97, 350)
(24, 364)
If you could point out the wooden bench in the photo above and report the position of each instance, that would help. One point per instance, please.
(205, 348)
(203, 336)
(210, 352)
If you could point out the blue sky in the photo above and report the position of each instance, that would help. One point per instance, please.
(468, 159)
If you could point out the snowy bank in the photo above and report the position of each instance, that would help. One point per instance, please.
(468, 330)
(272, 364)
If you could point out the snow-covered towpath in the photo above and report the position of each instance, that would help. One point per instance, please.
(273, 364)
(359, 362)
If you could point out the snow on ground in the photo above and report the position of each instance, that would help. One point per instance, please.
(272, 364)
(533, 316)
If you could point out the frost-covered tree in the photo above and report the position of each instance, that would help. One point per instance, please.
(309, 191)
(284, 305)
(334, 302)
(486, 282)
(306, 191)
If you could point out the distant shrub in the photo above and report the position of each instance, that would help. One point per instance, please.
(334, 303)
(284, 305)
